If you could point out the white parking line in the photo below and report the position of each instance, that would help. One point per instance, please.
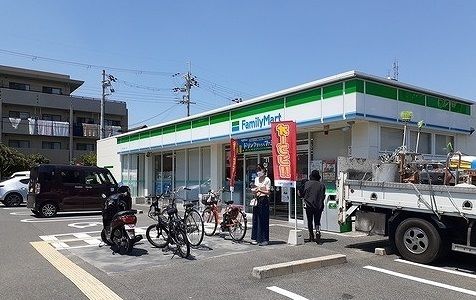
(24, 213)
(425, 281)
(437, 268)
(286, 293)
(90, 239)
(59, 219)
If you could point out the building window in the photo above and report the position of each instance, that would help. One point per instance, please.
(112, 123)
(441, 144)
(85, 147)
(80, 120)
(50, 145)
(19, 86)
(50, 117)
(424, 143)
(52, 90)
(19, 114)
(19, 144)
(390, 139)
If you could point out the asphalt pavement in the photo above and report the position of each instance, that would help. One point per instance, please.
(218, 269)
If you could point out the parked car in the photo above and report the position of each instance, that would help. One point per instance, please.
(55, 188)
(13, 191)
(21, 174)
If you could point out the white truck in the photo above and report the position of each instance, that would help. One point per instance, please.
(423, 221)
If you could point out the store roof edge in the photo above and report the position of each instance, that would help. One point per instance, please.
(301, 87)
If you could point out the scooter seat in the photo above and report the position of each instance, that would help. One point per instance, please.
(124, 213)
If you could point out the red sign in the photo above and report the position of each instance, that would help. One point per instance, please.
(233, 152)
(283, 138)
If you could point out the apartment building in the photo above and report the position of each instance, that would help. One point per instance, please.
(39, 115)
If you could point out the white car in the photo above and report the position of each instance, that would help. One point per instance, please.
(14, 190)
(21, 174)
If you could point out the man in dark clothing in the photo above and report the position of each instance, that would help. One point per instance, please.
(314, 195)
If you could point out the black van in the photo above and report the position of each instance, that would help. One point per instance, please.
(54, 188)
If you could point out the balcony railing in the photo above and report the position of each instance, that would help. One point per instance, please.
(32, 126)
(35, 127)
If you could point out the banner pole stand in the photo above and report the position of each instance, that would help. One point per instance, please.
(295, 236)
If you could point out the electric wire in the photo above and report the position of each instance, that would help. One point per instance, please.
(155, 116)
(85, 65)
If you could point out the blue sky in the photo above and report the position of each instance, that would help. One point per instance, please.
(240, 48)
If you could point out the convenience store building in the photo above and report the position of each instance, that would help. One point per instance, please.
(352, 114)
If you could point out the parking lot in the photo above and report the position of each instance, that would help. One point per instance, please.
(222, 268)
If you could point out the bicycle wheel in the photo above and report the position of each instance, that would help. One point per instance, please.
(157, 236)
(210, 221)
(181, 241)
(238, 227)
(194, 227)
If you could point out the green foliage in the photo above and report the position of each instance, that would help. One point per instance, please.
(87, 159)
(12, 161)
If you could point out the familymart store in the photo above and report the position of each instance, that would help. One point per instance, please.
(351, 114)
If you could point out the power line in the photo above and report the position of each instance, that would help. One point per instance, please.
(155, 116)
(85, 65)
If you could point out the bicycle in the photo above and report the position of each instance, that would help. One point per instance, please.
(191, 218)
(234, 219)
(169, 230)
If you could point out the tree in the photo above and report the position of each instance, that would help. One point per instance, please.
(12, 161)
(87, 159)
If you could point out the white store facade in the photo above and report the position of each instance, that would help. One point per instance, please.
(350, 114)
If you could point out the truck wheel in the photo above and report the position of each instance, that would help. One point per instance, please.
(418, 240)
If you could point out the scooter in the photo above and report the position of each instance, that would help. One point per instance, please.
(119, 224)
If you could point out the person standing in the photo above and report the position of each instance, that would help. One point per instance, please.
(261, 189)
(314, 195)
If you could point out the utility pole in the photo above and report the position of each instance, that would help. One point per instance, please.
(103, 99)
(188, 87)
(106, 83)
(190, 81)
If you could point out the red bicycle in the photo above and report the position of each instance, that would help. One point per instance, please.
(234, 219)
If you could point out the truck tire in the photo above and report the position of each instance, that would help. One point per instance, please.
(418, 240)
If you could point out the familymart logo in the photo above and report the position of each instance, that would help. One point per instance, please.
(255, 122)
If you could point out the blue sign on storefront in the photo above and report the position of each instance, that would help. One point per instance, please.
(260, 143)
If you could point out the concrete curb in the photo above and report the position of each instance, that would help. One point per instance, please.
(298, 266)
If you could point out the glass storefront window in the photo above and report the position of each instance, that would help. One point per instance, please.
(206, 173)
(390, 139)
(424, 143)
(158, 174)
(193, 174)
(441, 144)
(167, 168)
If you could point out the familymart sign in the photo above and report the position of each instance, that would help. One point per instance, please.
(255, 122)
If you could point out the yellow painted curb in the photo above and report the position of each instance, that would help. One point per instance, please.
(87, 283)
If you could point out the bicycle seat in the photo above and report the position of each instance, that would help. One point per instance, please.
(188, 205)
(229, 202)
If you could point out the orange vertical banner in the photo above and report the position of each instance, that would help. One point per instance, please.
(283, 139)
(232, 161)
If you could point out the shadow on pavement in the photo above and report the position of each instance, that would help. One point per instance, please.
(370, 246)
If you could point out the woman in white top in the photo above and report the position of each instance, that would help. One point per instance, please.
(261, 189)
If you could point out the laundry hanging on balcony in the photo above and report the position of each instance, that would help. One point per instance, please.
(45, 127)
(15, 122)
(31, 125)
(60, 128)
